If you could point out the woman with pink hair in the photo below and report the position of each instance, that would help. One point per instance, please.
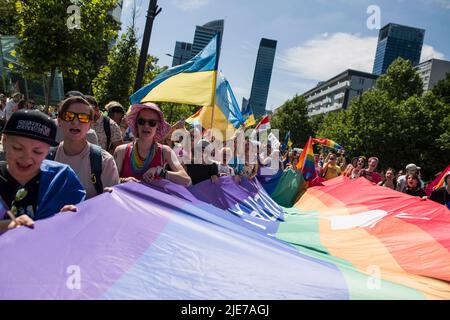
(144, 158)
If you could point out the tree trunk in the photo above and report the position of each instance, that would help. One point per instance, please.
(49, 89)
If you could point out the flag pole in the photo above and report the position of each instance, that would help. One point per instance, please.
(213, 95)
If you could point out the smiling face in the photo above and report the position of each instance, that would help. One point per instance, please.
(389, 174)
(24, 156)
(333, 159)
(144, 123)
(69, 121)
(412, 181)
(360, 163)
(373, 163)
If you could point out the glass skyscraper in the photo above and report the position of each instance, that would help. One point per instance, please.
(395, 41)
(203, 34)
(182, 53)
(262, 75)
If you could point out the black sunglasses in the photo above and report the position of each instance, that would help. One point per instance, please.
(152, 123)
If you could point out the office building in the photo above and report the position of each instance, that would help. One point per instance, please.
(431, 71)
(182, 53)
(337, 92)
(262, 76)
(395, 41)
(204, 34)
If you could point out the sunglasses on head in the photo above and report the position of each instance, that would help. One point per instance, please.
(152, 123)
(70, 116)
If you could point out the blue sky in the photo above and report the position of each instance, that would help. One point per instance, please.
(317, 39)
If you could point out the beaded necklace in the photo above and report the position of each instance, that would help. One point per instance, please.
(139, 165)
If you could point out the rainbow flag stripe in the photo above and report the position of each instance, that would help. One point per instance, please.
(328, 143)
(342, 240)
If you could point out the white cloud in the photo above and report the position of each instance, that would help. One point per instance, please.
(189, 5)
(323, 57)
(428, 52)
(443, 3)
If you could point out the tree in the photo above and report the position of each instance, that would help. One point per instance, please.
(442, 89)
(114, 81)
(400, 81)
(174, 112)
(293, 116)
(399, 127)
(8, 17)
(48, 44)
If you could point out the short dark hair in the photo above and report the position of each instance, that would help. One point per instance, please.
(73, 93)
(92, 101)
(65, 104)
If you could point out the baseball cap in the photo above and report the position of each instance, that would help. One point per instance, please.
(412, 166)
(32, 124)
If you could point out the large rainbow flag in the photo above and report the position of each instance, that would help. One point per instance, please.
(346, 239)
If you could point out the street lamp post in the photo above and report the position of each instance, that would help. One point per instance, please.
(152, 12)
(176, 57)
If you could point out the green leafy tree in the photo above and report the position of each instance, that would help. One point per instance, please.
(400, 81)
(8, 18)
(399, 126)
(174, 112)
(115, 79)
(442, 89)
(293, 116)
(48, 44)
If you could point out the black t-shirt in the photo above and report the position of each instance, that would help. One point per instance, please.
(20, 199)
(201, 172)
(441, 196)
(416, 193)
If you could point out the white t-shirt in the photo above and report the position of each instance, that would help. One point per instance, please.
(225, 169)
(81, 164)
(9, 109)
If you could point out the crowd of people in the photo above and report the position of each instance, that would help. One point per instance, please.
(55, 161)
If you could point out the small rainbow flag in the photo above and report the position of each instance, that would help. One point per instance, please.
(306, 161)
(328, 143)
(438, 182)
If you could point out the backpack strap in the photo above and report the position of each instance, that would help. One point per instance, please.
(95, 157)
(107, 128)
(52, 153)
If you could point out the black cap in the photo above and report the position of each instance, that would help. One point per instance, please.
(32, 124)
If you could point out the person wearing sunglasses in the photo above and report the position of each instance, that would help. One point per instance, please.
(331, 169)
(91, 135)
(29, 184)
(94, 166)
(145, 158)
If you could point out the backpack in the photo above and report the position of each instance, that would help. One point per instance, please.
(95, 157)
(107, 128)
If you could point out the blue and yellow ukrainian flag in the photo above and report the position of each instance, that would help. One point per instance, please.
(191, 83)
(227, 114)
(249, 116)
(287, 141)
